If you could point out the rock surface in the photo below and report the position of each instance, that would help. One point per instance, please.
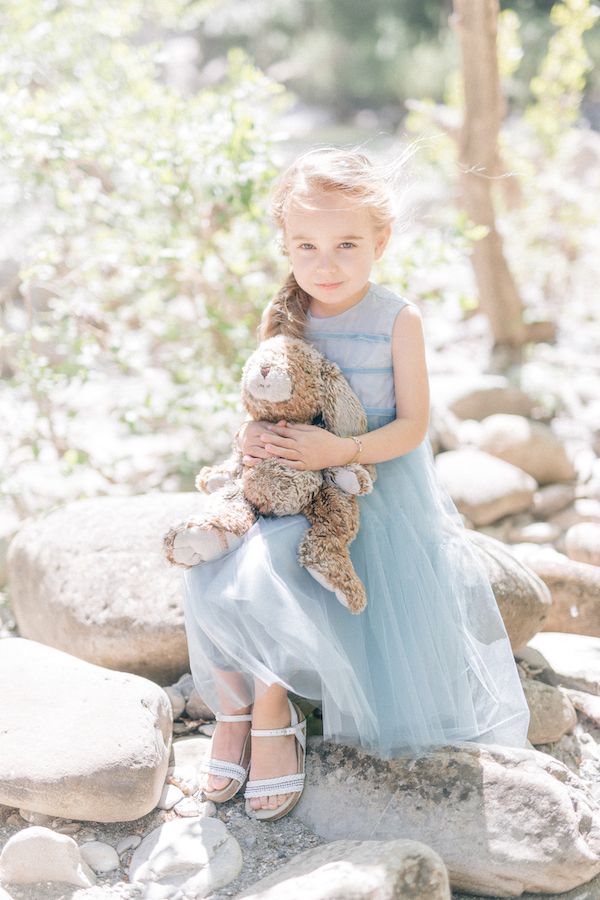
(194, 856)
(106, 736)
(90, 578)
(582, 543)
(523, 599)
(482, 487)
(573, 658)
(531, 446)
(575, 589)
(358, 870)
(552, 713)
(492, 394)
(503, 819)
(39, 854)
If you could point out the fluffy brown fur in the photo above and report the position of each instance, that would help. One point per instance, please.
(286, 378)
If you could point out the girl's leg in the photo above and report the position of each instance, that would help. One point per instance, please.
(228, 738)
(271, 756)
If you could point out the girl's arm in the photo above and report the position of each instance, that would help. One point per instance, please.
(308, 447)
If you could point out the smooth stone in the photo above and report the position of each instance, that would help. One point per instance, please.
(183, 777)
(129, 842)
(196, 708)
(176, 699)
(358, 870)
(190, 751)
(491, 394)
(195, 856)
(35, 818)
(534, 533)
(583, 509)
(573, 658)
(444, 429)
(552, 498)
(170, 795)
(39, 854)
(531, 446)
(90, 578)
(106, 736)
(99, 856)
(588, 704)
(552, 713)
(466, 801)
(582, 543)
(483, 487)
(574, 586)
(523, 599)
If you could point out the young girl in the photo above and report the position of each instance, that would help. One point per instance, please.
(429, 661)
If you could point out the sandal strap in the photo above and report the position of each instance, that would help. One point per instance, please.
(295, 727)
(222, 718)
(225, 769)
(284, 784)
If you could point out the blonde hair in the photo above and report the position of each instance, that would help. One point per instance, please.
(326, 169)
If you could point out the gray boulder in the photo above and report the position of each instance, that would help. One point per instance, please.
(523, 599)
(193, 856)
(79, 741)
(90, 578)
(503, 819)
(531, 446)
(483, 487)
(358, 870)
(574, 586)
(38, 854)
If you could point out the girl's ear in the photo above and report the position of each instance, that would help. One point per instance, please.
(382, 240)
(341, 408)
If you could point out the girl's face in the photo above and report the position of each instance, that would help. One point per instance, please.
(332, 244)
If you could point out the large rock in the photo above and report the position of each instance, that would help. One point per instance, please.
(193, 856)
(90, 578)
(484, 488)
(552, 713)
(476, 397)
(503, 819)
(358, 870)
(77, 740)
(531, 446)
(523, 599)
(38, 854)
(573, 658)
(574, 586)
(582, 543)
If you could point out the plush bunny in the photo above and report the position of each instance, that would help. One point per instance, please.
(286, 378)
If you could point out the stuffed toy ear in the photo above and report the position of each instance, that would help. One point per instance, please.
(341, 409)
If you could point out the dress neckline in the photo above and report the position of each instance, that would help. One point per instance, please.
(309, 315)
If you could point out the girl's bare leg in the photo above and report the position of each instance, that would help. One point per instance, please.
(228, 738)
(271, 756)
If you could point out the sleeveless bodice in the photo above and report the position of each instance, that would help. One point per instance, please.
(359, 340)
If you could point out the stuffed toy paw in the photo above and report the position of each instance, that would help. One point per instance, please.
(286, 378)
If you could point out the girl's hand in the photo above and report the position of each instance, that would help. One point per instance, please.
(306, 446)
(250, 443)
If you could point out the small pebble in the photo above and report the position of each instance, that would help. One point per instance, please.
(68, 828)
(169, 797)
(207, 729)
(99, 856)
(35, 818)
(129, 842)
(177, 700)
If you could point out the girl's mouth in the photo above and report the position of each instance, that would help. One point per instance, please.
(329, 287)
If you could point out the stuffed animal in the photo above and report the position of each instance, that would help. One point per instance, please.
(286, 379)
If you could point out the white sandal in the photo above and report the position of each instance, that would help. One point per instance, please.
(283, 784)
(236, 772)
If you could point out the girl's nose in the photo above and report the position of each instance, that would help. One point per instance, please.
(326, 264)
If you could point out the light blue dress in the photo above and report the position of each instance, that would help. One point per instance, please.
(429, 661)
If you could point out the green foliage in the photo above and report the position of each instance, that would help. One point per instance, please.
(153, 257)
(559, 85)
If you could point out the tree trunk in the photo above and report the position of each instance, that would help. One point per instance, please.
(476, 24)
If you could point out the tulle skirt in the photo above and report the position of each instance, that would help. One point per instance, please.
(427, 663)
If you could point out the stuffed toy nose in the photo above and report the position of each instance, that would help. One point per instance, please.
(264, 371)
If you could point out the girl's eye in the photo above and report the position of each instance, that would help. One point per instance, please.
(346, 244)
(306, 246)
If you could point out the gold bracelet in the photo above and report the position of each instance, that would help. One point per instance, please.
(358, 452)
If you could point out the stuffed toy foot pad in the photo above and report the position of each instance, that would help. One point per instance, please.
(189, 545)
